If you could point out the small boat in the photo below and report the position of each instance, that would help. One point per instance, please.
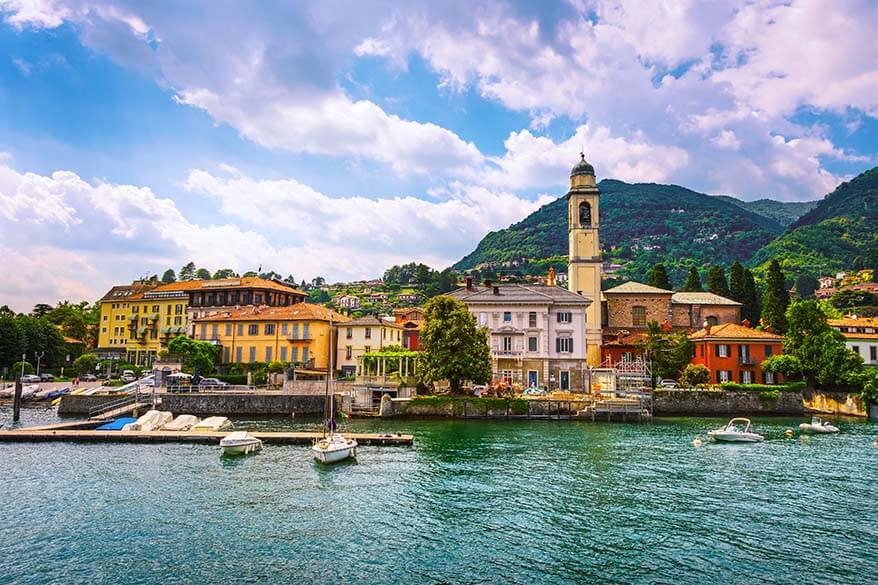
(184, 422)
(117, 424)
(28, 392)
(818, 426)
(151, 421)
(240, 443)
(8, 391)
(58, 393)
(212, 424)
(334, 448)
(43, 394)
(733, 433)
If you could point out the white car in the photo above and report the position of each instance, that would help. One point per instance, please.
(128, 376)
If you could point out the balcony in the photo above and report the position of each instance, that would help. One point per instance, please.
(746, 360)
(506, 353)
(308, 338)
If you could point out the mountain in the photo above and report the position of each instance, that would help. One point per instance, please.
(783, 212)
(840, 233)
(641, 224)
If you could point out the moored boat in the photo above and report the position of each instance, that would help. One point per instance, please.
(212, 424)
(29, 392)
(736, 430)
(818, 426)
(183, 422)
(151, 421)
(333, 448)
(240, 443)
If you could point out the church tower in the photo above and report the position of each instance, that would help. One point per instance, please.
(584, 265)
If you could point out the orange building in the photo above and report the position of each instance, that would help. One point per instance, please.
(734, 353)
(410, 319)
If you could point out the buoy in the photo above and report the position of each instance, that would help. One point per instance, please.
(875, 443)
(697, 441)
(788, 432)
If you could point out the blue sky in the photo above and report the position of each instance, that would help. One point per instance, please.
(339, 138)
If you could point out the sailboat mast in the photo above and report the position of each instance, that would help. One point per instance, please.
(330, 398)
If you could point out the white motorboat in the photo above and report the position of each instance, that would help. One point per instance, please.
(29, 392)
(151, 421)
(212, 424)
(736, 431)
(818, 426)
(184, 422)
(333, 448)
(240, 443)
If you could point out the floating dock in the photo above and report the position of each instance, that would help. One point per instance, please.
(43, 434)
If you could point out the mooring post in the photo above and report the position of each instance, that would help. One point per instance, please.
(16, 404)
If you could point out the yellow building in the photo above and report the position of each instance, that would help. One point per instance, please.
(297, 333)
(361, 336)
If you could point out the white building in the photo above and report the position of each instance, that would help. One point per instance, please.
(361, 336)
(860, 335)
(347, 302)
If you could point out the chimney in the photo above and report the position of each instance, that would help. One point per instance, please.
(746, 323)
(550, 281)
(497, 290)
(707, 327)
(488, 283)
(469, 283)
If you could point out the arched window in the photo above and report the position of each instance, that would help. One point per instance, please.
(585, 214)
(711, 321)
(638, 316)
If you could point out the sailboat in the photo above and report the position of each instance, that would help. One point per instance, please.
(332, 446)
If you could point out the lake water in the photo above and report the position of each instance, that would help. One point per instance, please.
(471, 502)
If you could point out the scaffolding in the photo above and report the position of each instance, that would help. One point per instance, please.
(624, 377)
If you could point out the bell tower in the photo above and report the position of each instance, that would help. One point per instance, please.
(584, 265)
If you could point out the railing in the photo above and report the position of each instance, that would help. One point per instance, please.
(747, 361)
(507, 352)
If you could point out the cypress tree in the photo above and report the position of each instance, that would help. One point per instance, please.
(716, 282)
(749, 298)
(659, 277)
(693, 282)
(736, 283)
(775, 299)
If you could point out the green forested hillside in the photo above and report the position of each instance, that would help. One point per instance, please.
(783, 212)
(840, 233)
(641, 224)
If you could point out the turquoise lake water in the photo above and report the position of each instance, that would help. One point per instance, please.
(526, 502)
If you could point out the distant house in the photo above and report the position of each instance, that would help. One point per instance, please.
(349, 302)
(409, 297)
(734, 353)
(860, 335)
(633, 305)
(379, 297)
(826, 281)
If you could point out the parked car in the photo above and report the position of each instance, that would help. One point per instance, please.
(668, 383)
(89, 378)
(47, 378)
(30, 379)
(212, 382)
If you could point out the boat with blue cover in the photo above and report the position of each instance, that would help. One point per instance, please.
(116, 425)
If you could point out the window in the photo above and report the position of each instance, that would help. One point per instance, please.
(483, 319)
(155, 308)
(203, 331)
(638, 316)
(268, 353)
(295, 331)
(135, 309)
(283, 353)
(269, 328)
(507, 317)
(227, 354)
(722, 350)
(564, 345)
(350, 332)
(258, 298)
(855, 348)
(348, 352)
(253, 329)
(105, 317)
(304, 354)
(507, 344)
(565, 317)
(585, 214)
(873, 354)
(723, 376)
(768, 351)
(305, 328)
(746, 377)
(295, 357)
(368, 333)
(532, 319)
(367, 348)
(628, 356)
(178, 310)
(767, 378)
(531, 344)
(214, 333)
(240, 329)
(228, 329)
(178, 320)
(252, 354)
(284, 329)
(744, 354)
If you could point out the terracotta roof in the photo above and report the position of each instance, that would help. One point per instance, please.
(372, 321)
(623, 338)
(701, 298)
(851, 322)
(227, 283)
(632, 287)
(297, 312)
(734, 331)
(128, 292)
(520, 293)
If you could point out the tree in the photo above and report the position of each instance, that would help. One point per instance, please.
(669, 352)
(318, 281)
(195, 354)
(750, 309)
(41, 310)
(188, 271)
(12, 343)
(17, 371)
(291, 280)
(693, 281)
(202, 274)
(786, 364)
(737, 291)
(805, 286)
(716, 282)
(454, 348)
(86, 363)
(695, 375)
(224, 273)
(825, 359)
(169, 276)
(775, 299)
(659, 277)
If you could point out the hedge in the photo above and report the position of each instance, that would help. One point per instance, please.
(233, 379)
(790, 387)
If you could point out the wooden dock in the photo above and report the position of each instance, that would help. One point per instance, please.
(42, 434)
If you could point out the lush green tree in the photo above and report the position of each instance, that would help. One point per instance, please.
(668, 352)
(750, 309)
(318, 296)
(12, 342)
(454, 348)
(318, 281)
(786, 364)
(737, 290)
(224, 273)
(169, 276)
(5, 311)
(775, 299)
(659, 277)
(851, 299)
(270, 275)
(820, 349)
(195, 354)
(86, 363)
(202, 274)
(188, 271)
(41, 310)
(695, 375)
(805, 286)
(291, 280)
(16, 370)
(250, 274)
(42, 337)
(716, 282)
(693, 281)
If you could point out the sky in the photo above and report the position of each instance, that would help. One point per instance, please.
(338, 138)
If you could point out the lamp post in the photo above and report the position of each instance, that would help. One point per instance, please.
(39, 357)
(23, 360)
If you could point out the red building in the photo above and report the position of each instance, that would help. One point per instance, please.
(411, 320)
(734, 353)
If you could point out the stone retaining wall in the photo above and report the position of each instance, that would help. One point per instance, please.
(828, 402)
(242, 404)
(72, 405)
(714, 403)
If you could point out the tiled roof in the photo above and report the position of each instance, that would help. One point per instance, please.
(632, 287)
(297, 312)
(372, 321)
(520, 293)
(701, 298)
(734, 331)
(128, 292)
(227, 283)
(851, 322)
